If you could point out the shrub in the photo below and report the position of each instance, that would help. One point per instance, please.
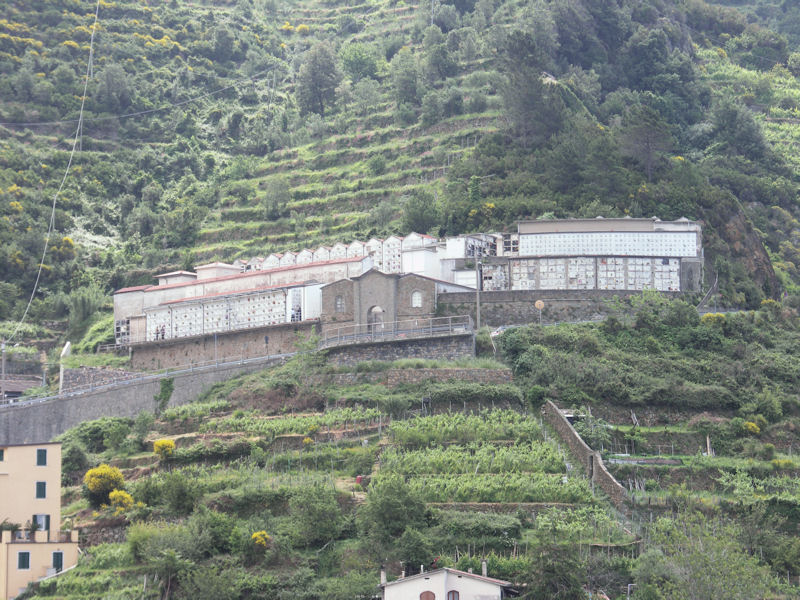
(261, 539)
(98, 435)
(212, 530)
(751, 428)
(316, 515)
(405, 115)
(73, 463)
(376, 164)
(121, 501)
(100, 482)
(180, 493)
(164, 448)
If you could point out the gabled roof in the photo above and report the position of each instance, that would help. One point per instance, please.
(319, 263)
(455, 572)
(175, 273)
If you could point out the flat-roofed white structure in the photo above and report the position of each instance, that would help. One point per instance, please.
(610, 237)
(608, 254)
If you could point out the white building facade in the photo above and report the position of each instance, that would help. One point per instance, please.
(447, 584)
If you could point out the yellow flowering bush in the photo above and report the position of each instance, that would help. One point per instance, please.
(307, 441)
(717, 319)
(100, 482)
(261, 538)
(303, 29)
(751, 427)
(121, 501)
(163, 448)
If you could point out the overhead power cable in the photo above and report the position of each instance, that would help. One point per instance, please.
(63, 179)
(141, 112)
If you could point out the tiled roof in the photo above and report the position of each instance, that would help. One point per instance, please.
(456, 572)
(174, 273)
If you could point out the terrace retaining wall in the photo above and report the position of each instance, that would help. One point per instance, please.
(592, 461)
(445, 347)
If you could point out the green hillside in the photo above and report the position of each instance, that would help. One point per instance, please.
(286, 484)
(226, 130)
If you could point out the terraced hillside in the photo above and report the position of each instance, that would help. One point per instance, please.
(334, 493)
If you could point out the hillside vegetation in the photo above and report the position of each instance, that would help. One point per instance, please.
(285, 484)
(223, 130)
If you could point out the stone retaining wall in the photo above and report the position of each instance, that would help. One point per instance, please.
(86, 377)
(103, 532)
(592, 461)
(449, 347)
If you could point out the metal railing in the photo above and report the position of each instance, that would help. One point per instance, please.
(395, 330)
(143, 377)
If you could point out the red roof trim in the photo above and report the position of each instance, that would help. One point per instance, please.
(136, 288)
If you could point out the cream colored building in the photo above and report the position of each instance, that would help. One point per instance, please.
(446, 584)
(30, 494)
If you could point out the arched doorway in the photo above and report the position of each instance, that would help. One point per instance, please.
(375, 319)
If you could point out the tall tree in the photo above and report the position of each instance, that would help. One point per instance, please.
(317, 80)
(534, 104)
(645, 137)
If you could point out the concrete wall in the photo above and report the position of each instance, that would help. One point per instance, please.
(592, 461)
(26, 423)
(517, 307)
(231, 345)
(448, 347)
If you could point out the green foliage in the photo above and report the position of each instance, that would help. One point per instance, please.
(100, 332)
(698, 557)
(317, 80)
(475, 458)
(316, 516)
(557, 573)
(391, 507)
(484, 394)
(96, 436)
(489, 425)
(420, 212)
(166, 386)
(359, 60)
(73, 463)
